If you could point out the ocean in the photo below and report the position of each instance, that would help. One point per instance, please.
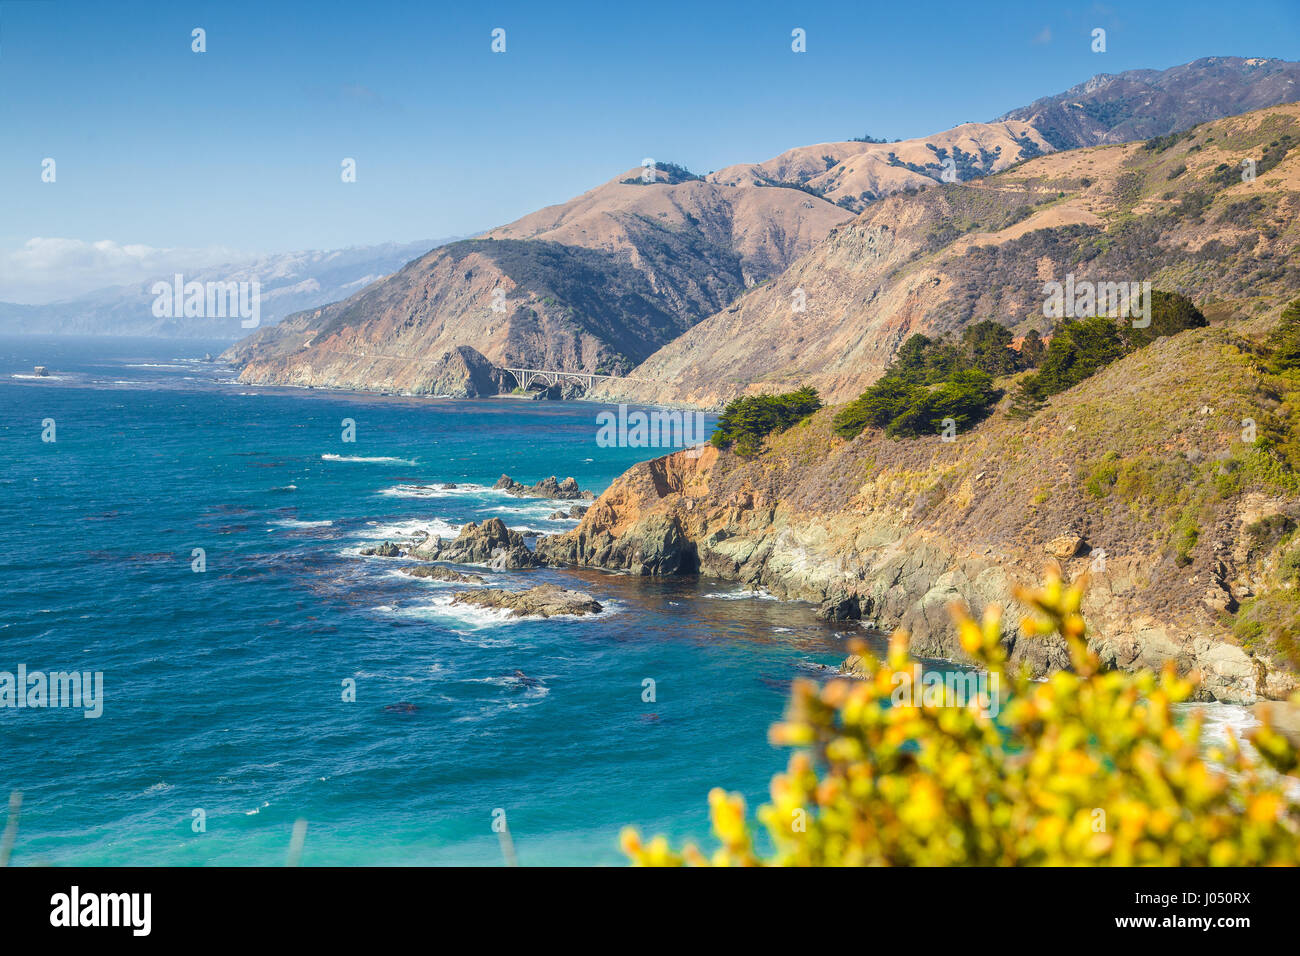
(223, 713)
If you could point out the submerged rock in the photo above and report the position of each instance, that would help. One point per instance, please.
(438, 573)
(546, 488)
(547, 600)
(577, 511)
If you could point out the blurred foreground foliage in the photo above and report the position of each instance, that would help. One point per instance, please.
(1085, 768)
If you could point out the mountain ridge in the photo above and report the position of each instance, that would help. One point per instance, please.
(702, 248)
(1178, 216)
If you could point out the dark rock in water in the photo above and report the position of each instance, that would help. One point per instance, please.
(577, 511)
(437, 573)
(490, 543)
(385, 550)
(546, 488)
(840, 608)
(560, 392)
(447, 485)
(402, 707)
(525, 680)
(547, 600)
(207, 356)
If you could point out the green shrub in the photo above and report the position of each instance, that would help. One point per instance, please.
(1082, 347)
(1171, 313)
(1186, 534)
(930, 381)
(746, 421)
(1102, 478)
(1284, 342)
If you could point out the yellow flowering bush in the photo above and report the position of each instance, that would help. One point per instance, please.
(1088, 767)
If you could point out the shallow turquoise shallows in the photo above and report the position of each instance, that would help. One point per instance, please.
(223, 689)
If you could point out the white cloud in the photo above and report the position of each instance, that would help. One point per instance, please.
(1044, 36)
(48, 270)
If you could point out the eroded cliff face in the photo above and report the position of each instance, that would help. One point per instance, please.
(691, 514)
(894, 531)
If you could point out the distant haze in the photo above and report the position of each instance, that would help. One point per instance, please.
(289, 282)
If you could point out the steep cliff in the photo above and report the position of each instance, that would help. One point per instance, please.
(892, 531)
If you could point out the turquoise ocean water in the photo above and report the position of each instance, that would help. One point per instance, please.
(222, 689)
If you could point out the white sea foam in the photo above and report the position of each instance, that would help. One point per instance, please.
(434, 490)
(408, 528)
(295, 523)
(39, 378)
(360, 458)
(1218, 719)
(477, 616)
(427, 582)
(441, 608)
(741, 594)
(541, 510)
(529, 690)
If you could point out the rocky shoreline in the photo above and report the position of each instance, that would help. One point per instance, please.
(713, 514)
(546, 600)
(566, 490)
(804, 527)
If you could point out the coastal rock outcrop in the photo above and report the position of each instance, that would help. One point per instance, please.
(547, 600)
(577, 511)
(653, 546)
(490, 543)
(894, 532)
(546, 488)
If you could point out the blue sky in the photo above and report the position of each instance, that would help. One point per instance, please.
(239, 148)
